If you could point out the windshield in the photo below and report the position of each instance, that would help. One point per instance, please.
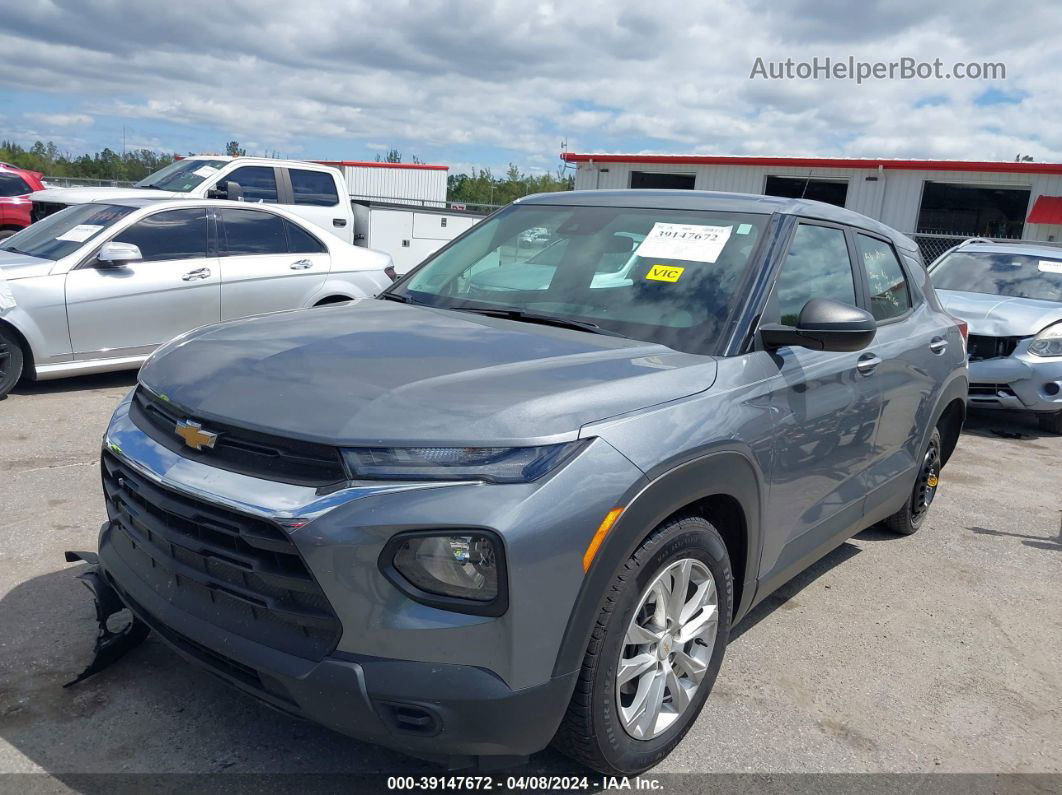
(1000, 273)
(665, 276)
(181, 176)
(66, 231)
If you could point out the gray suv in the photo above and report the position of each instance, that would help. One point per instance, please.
(525, 495)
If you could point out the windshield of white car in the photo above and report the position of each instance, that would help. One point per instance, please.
(1000, 273)
(667, 276)
(182, 176)
(66, 231)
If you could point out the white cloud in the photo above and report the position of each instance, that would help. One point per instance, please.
(60, 119)
(605, 74)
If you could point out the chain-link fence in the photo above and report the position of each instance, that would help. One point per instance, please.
(932, 244)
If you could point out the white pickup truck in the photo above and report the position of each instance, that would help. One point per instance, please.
(312, 191)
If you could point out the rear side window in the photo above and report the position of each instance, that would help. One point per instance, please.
(302, 242)
(13, 185)
(252, 232)
(259, 183)
(816, 266)
(889, 294)
(174, 234)
(313, 187)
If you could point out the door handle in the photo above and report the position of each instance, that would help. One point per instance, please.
(867, 363)
(339, 222)
(938, 345)
(198, 273)
(301, 265)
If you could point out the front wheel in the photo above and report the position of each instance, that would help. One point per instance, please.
(10, 362)
(1052, 423)
(655, 650)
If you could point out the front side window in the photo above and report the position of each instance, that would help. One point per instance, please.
(259, 183)
(13, 185)
(182, 176)
(816, 266)
(1000, 273)
(252, 232)
(313, 187)
(170, 235)
(64, 232)
(665, 276)
(889, 294)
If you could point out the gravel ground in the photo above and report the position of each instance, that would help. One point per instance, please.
(934, 653)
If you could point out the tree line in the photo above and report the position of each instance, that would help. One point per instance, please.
(479, 187)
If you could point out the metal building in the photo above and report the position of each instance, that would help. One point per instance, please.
(407, 183)
(938, 202)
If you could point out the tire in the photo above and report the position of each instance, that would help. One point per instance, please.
(599, 730)
(912, 515)
(6, 233)
(1052, 423)
(10, 362)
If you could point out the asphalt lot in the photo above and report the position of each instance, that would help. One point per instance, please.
(937, 652)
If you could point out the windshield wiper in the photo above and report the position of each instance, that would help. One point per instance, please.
(402, 299)
(532, 317)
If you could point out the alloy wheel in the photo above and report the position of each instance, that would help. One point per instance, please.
(5, 359)
(667, 648)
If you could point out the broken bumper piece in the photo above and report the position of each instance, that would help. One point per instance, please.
(117, 634)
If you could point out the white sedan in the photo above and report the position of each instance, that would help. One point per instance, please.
(97, 287)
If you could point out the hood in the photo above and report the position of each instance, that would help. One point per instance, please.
(378, 372)
(1000, 315)
(86, 195)
(19, 266)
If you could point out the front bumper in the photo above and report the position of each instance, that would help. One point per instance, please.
(449, 712)
(1019, 382)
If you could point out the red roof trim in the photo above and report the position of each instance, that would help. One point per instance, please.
(994, 166)
(374, 164)
(1046, 210)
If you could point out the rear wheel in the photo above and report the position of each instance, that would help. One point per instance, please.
(655, 650)
(10, 362)
(1052, 423)
(910, 517)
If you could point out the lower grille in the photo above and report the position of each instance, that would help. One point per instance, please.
(981, 347)
(41, 210)
(991, 391)
(237, 572)
(239, 450)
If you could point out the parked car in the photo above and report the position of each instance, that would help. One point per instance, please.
(97, 287)
(315, 192)
(464, 523)
(15, 186)
(1010, 294)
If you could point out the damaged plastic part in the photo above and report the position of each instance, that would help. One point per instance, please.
(114, 638)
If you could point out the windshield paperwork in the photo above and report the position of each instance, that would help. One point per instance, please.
(665, 276)
(66, 231)
(182, 176)
(1000, 273)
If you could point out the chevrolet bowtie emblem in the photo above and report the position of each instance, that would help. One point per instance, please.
(194, 436)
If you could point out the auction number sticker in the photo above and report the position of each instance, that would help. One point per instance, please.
(687, 242)
(1050, 266)
(79, 233)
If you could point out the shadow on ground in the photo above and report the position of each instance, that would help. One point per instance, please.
(80, 383)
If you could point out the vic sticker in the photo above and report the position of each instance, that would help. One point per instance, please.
(664, 273)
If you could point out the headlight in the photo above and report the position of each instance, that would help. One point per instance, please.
(1048, 342)
(461, 570)
(491, 464)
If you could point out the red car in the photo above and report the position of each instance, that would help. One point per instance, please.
(15, 186)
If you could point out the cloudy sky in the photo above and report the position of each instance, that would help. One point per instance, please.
(485, 82)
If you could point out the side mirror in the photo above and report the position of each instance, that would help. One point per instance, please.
(824, 325)
(226, 189)
(116, 255)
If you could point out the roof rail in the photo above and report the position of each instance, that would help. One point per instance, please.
(970, 240)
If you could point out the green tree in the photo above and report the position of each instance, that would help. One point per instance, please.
(233, 149)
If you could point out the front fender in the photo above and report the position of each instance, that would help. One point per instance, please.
(727, 471)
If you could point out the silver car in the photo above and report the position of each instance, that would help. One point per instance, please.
(1010, 294)
(97, 287)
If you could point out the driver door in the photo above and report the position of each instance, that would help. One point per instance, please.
(129, 310)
